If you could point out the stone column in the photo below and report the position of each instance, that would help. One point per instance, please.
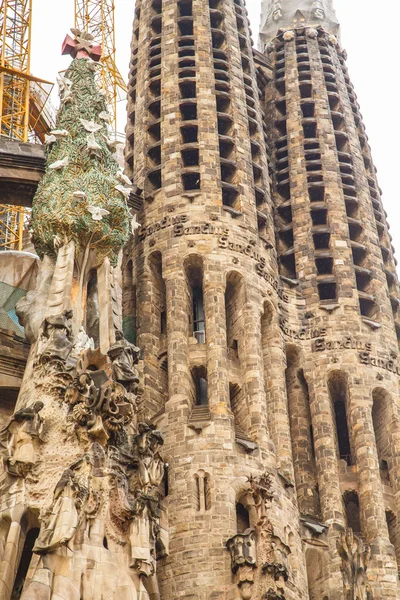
(253, 375)
(9, 564)
(178, 332)
(217, 374)
(303, 460)
(370, 492)
(275, 389)
(326, 458)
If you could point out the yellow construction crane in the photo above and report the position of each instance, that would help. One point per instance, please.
(97, 17)
(23, 97)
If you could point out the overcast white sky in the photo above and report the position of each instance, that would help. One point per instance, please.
(369, 34)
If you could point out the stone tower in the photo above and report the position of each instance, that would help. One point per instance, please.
(269, 350)
(209, 411)
(334, 246)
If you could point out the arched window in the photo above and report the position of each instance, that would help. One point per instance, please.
(201, 386)
(198, 314)
(129, 303)
(24, 563)
(234, 302)
(92, 309)
(338, 391)
(194, 274)
(302, 434)
(381, 419)
(159, 301)
(242, 518)
(352, 507)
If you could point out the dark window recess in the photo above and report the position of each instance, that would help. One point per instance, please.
(308, 109)
(223, 102)
(316, 193)
(242, 518)
(187, 62)
(155, 88)
(224, 125)
(368, 308)
(310, 130)
(289, 266)
(156, 5)
(324, 265)
(191, 181)
(321, 240)
(92, 309)
(186, 52)
(201, 388)
(24, 563)
(155, 154)
(188, 112)
(186, 27)
(198, 314)
(342, 430)
(312, 443)
(190, 157)
(327, 291)
(229, 197)
(155, 109)
(155, 179)
(185, 8)
(189, 134)
(306, 90)
(352, 506)
(319, 217)
(188, 89)
(163, 321)
(154, 132)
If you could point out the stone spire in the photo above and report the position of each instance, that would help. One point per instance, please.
(282, 14)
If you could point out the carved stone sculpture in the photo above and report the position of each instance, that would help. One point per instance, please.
(151, 466)
(318, 10)
(18, 439)
(242, 548)
(124, 357)
(355, 557)
(55, 340)
(277, 10)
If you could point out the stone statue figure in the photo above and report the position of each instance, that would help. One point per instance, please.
(355, 557)
(18, 437)
(151, 466)
(61, 525)
(55, 337)
(124, 357)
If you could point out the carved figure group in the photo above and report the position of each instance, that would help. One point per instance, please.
(259, 558)
(55, 342)
(124, 357)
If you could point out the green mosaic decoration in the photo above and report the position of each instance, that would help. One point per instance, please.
(87, 179)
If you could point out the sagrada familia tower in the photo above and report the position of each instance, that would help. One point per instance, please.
(209, 409)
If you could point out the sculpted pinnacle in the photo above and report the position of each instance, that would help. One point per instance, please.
(285, 14)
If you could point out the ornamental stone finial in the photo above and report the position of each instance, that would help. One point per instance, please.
(285, 14)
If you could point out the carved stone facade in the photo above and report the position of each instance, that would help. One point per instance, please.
(209, 409)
